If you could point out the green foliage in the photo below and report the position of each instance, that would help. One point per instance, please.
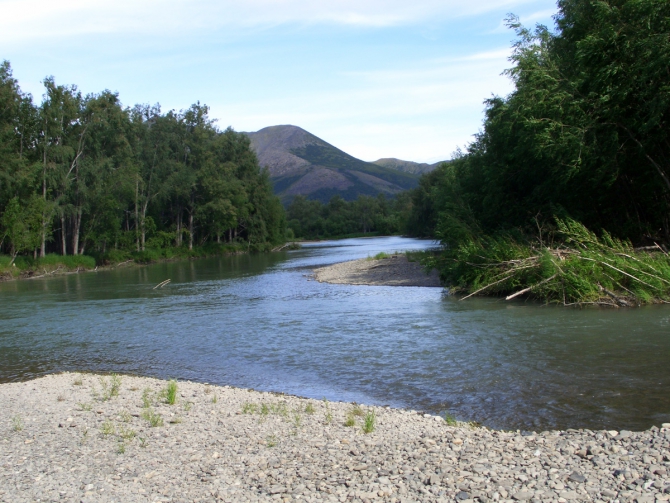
(152, 417)
(169, 394)
(583, 269)
(81, 173)
(583, 137)
(369, 422)
(365, 216)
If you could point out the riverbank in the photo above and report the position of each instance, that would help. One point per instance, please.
(58, 265)
(394, 270)
(87, 438)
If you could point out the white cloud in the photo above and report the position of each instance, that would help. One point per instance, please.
(23, 20)
(421, 113)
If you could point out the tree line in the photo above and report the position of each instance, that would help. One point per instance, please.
(84, 174)
(565, 192)
(584, 135)
(365, 215)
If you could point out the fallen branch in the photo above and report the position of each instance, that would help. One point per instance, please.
(484, 288)
(161, 285)
(525, 290)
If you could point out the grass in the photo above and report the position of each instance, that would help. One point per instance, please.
(169, 394)
(86, 407)
(357, 411)
(350, 420)
(17, 423)
(51, 264)
(121, 449)
(125, 416)
(272, 440)
(379, 256)
(214, 399)
(309, 409)
(78, 381)
(249, 408)
(111, 388)
(127, 433)
(450, 420)
(152, 417)
(369, 422)
(573, 267)
(108, 428)
(147, 396)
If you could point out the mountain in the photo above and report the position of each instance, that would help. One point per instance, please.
(416, 168)
(303, 164)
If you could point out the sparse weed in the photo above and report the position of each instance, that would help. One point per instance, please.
(214, 398)
(369, 422)
(110, 389)
(86, 407)
(169, 394)
(108, 428)
(309, 409)
(249, 408)
(357, 411)
(329, 414)
(297, 419)
(78, 381)
(17, 423)
(272, 440)
(153, 417)
(176, 420)
(127, 433)
(147, 396)
(187, 406)
(121, 449)
(84, 435)
(125, 416)
(350, 421)
(60, 398)
(265, 410)
(449, 419)
(208, 390)
(143, 442)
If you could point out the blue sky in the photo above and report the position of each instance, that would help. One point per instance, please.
(375, 78)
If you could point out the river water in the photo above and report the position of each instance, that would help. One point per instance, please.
(258, 321)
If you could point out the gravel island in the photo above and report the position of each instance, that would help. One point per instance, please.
(88, 438)
(395, 270)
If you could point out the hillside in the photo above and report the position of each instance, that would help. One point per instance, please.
(415, 168)
(303, 164)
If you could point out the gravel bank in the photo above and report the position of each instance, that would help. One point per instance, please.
(68, 437)
(393, 271)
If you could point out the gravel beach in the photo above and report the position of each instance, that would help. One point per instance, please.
(90, 438)
(393, 271)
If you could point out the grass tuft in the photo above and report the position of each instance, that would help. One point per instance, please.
(153, 417)
(169, 394)
(17, 423)
(369, 422)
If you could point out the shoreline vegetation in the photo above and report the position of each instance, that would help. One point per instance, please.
(571, 266)
(87, 437)
(53, 265)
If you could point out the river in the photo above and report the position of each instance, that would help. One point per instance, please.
(259, 321)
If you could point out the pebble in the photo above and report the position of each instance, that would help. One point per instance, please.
(235, 445)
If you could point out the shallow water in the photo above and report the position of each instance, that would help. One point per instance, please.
(259, 322)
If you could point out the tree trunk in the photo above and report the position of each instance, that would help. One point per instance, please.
(178, 237)
(143, 233)
(63, 236)
(190, 230)
(76, 228)
(137, 231)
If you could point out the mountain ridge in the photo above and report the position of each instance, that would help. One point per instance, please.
(301, 163)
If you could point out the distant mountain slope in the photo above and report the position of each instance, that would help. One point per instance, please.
(417, 168)
(301, 163)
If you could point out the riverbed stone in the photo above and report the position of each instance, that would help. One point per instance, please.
(251, 446)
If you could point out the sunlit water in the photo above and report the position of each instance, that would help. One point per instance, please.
(259, 321)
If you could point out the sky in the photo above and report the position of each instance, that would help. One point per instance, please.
(376, 78)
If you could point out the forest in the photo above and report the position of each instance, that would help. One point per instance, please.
(565, 192)
(365, 216)
(82, 174)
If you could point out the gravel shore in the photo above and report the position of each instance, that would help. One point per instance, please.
(88, 438)
(393, 271)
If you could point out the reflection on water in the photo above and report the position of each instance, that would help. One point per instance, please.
(258, 321)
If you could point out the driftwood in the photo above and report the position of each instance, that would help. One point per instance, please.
(161, 285)
(526, 290)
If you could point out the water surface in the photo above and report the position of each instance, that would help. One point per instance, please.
(258, 321)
